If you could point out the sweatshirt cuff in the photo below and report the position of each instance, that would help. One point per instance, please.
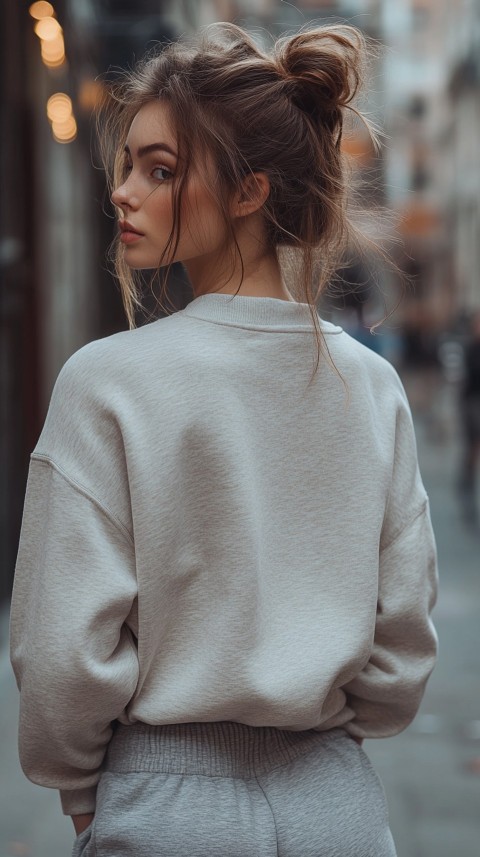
(78, 801)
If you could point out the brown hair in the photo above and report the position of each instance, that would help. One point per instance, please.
(280, 112)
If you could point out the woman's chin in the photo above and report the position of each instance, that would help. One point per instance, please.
(138, 264)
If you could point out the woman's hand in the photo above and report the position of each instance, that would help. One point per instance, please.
(80, 822)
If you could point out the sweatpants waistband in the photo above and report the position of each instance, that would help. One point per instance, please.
(213, 748)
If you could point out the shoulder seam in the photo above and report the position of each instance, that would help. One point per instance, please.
(411, 520)
(77, 486)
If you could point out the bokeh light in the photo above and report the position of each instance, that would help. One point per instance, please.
(53, 52)
(60, 114)
(66, 131)
(48, 29)
(59, 107)
(41, 10)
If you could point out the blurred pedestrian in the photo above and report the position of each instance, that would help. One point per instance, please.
(470, 420)
(225, 574)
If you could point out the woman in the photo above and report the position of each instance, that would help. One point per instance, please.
(225, 574)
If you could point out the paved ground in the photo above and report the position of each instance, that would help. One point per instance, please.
(433, 793)
(429, 771)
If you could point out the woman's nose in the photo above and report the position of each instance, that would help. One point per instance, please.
(119, 196)
(126, 194)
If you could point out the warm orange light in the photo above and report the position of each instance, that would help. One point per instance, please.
(65, 132)
(54, 63)
(59, 107)
(53, 49)
(41, 10)
(53, 53)
(419, 219)
(357, 147)
(59, 112)
(91, 94)
(48, 29)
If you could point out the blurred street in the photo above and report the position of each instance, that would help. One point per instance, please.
(431, 772)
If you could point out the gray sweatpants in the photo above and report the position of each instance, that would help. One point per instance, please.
(225, 789)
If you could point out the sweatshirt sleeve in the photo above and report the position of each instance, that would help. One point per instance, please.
(72, 651)
(386, 694)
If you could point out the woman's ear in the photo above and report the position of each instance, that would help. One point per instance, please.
(255, 191)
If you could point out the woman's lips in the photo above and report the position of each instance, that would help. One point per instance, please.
(128, 237)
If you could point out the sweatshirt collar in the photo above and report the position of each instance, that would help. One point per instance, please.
(255, 312)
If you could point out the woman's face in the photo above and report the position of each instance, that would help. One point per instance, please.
(145, 198)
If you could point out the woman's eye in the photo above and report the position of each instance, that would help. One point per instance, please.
(162, 170)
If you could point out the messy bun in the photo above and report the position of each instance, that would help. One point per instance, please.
(280, 112)
(323, 72)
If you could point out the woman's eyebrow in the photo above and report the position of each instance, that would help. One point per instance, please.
(152, 147)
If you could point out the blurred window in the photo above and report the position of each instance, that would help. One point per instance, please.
(420, 18)
(420, 177)
(418, 107)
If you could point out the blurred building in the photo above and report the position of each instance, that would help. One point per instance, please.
(462, 155)
(55, 221)
(432, 163)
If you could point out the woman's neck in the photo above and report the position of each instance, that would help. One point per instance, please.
(262, 276)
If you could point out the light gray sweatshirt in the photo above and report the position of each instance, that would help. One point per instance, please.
(206, 538)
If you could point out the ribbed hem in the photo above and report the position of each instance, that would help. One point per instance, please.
(78, 801)
(255, 312)
(214, 748)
